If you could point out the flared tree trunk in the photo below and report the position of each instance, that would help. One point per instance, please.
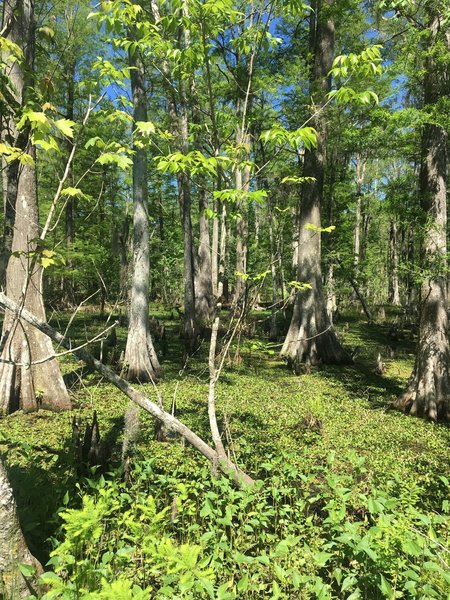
(428, 391)
(141, 362)
(311, 338)
(13, 548)
(29, 377)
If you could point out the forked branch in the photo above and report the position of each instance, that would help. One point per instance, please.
(222, 462)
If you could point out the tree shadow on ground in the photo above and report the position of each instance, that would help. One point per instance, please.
(42, 475)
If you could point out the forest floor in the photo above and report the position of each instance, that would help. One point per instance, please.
(333, 415)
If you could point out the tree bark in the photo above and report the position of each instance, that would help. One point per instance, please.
(428, 391)
(360, 169)
(141, 362)
(215, 249)
(243, 185)
(394, 289)
(13, 548)
(18, 26)
(68, 290)
(204, 301)
(310, 338)
(22, 384)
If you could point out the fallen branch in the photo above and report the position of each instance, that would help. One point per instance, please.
(222, 462)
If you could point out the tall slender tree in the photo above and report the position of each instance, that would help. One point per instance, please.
(311, 338)
(141, 361)
(29, 374)
(428, 392)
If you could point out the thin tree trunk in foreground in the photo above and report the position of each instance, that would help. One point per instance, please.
(13, 548)
(170, 422)
(428, 391)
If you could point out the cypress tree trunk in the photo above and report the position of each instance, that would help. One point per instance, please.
(428, 392)
(141, 362)
(17, 24)
(310, 338)
(24, 385)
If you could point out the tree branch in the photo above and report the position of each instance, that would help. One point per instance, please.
(225, 465)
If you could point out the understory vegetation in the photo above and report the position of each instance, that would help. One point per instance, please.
(351, 499)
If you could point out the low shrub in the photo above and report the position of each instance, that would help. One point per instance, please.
(295, 535)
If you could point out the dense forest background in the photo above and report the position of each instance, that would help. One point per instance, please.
(235, 214)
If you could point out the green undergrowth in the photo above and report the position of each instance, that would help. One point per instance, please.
(351, 499)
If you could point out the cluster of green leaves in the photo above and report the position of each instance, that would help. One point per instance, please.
(297, 534)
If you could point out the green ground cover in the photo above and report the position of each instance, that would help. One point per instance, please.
(352, 499)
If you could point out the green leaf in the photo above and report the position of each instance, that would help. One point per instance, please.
(65, 126)
(412, 548)
(27, 570)
(242, 584)
(293, 179)
(111, 158)
(46, 31)
(321, 558)
(385, 587)
(72, 192)
(145, 127)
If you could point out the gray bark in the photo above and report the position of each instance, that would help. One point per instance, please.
(360, 169)
(141, 362)
(68, 290)
(242, 184)
(180, 129)
(22, 384)
(13, 547)
(215, 250)
(18, 26)
(428, 392)
(394, 288)
(311, 338)
(222, 284)
(204, 300)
